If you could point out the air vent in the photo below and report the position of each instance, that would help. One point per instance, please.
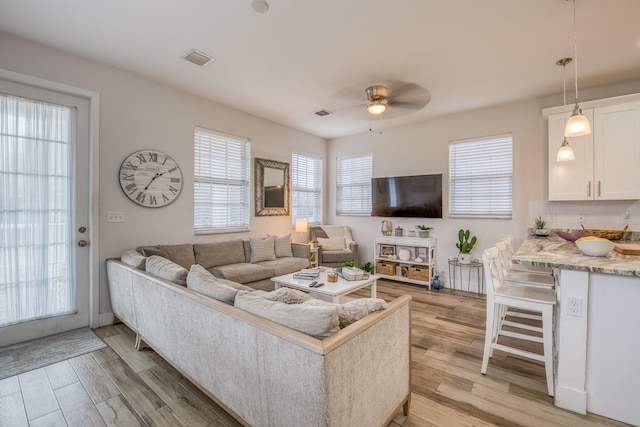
(322, 113)
(198, 58)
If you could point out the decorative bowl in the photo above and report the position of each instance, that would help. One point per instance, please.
(572, 237)
(404, 254)
(599, 247)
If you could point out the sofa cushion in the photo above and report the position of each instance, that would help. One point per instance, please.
(211, 255)
(262, 249)
(152, 250)
(287, 296)
(336, 256)
(242, 272)
(167, 269)
(134, 259)
(352, 311)
(283, 246)
(285, 265)
(203, 282)
(180, 254)
(332, 244)
(317, 321)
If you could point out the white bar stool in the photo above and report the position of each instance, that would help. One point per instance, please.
(500, 297)
(519, 276)
(508, 243)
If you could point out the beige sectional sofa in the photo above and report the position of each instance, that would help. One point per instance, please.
(235, 260)
(262, 372)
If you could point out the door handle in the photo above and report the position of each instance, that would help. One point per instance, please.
(82, 243)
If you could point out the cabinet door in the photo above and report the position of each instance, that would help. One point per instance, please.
(571, 180)
(617, 151)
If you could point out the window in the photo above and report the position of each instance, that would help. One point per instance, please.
(481, 177)
(354, 185)
(306, 180)
(221, 182)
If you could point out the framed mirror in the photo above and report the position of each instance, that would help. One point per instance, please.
(272, 188)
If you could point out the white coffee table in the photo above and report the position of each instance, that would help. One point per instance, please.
(334, 290)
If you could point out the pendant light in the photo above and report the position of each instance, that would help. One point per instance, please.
(565, 153)
(578, 124)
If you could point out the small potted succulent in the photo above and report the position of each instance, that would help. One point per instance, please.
(466, 242)
(423, 230)
(367, 266)
(540, 229)
(314, 244)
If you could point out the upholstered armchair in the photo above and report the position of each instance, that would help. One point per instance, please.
(335, 245)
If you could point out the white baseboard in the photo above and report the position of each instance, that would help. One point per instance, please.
(573, 400)
(106, 319)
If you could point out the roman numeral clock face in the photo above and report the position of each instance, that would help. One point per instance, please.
(150, 178)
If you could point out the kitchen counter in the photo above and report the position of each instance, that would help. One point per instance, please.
(597, 317)
(555, 252)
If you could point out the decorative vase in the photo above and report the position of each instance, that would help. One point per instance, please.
(464, 258)
(387, 228)
(435, 283)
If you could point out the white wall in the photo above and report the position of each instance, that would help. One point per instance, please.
(137, 113)
(423, 149)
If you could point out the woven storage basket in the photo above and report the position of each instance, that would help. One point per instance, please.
(386, 267)
(608, 234)
(419, 273)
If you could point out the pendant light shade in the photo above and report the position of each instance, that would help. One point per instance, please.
(578, 124)
(565, 153)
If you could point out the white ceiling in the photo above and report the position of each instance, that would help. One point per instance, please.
(301, 55)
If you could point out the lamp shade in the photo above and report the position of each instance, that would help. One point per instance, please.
(565, 153)
(376, 107)
(302, 225)
(577, 125)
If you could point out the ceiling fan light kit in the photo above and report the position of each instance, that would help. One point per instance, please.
(578, 124)
(377, 96)
(260, 6)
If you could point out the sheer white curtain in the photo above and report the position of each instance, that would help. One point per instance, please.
(35, 210)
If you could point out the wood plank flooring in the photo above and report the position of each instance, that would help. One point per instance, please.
(119, 386)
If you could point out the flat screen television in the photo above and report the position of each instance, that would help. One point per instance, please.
(418, 196)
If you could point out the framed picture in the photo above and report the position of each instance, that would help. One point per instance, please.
(387, 250)
(421, 253)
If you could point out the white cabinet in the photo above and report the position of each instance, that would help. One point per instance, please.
(395, 259)
(605, 159)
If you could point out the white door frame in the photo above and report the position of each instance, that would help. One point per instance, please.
(94, 196)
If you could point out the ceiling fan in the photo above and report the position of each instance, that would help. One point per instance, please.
(382, 100)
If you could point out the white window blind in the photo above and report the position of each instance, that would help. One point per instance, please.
(306, 181)
(354, 185)
(481, 177)
(221, 182)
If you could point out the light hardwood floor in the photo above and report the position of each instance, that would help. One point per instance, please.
(118, 386)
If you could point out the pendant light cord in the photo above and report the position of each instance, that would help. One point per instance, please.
(575, 49)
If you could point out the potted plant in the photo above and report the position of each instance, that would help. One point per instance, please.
(540, 229)
(423, 230)
(465, 243)
(314, 243)
(367, 266)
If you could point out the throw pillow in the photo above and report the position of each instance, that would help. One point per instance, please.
(203, 282)
(287, 296)
(167, 270)
(319, 322)
(352, 311)
(152, 250)
(262, 249)
(332, 244)
(134, 259)
(283, 246)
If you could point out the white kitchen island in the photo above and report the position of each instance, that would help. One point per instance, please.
(597, 327)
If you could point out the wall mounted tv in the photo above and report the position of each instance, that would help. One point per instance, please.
(418, 196)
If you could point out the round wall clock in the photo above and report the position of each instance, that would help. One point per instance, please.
(150, 178)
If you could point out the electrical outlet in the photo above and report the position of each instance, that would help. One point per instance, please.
(115, 216)
(582, 218)
(553, 217)
(574, 306)
(626, 218)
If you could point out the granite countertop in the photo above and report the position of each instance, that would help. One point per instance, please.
(555, 252)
